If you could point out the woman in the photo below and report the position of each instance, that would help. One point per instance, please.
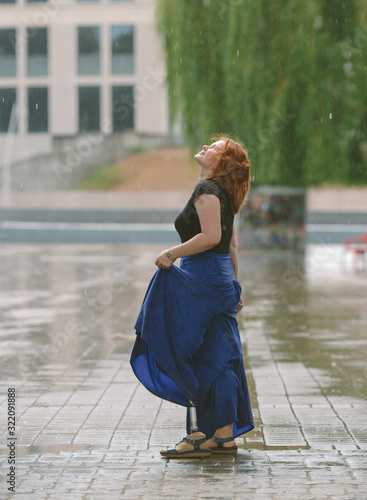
(188, 348)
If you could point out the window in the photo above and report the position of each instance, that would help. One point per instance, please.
(7, 101)
(122, 48)
(122, 108)
(88, 50)
(37, 109)
(89, 109)
(8, 63)
(36, 1)
(37, 51)
(7, 1)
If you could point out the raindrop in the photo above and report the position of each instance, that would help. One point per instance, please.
(331, 116)
(238, 53)
(85, 291)
(321, 120)
(37, 105)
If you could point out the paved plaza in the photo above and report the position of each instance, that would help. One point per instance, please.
(86, 429)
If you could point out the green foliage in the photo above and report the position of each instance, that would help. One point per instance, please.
(139, 148)
(103, 179)
(194, 58)
(289, 78)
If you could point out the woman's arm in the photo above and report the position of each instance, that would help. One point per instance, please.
(233, 251)
(234, 257)
(208, 210)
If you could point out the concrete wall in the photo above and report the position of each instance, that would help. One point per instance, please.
(73, 160)
(338, 199)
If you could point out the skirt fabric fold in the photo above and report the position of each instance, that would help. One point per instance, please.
(188, 345)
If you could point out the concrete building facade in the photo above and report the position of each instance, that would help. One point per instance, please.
(70, 67)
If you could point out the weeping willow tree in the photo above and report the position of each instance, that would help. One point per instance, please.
(288, 78)
(194, 52)
(269, 69)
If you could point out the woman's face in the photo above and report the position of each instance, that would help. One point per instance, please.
(209, 156)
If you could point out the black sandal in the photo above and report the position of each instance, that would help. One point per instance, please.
(222, 450)
(197, 452)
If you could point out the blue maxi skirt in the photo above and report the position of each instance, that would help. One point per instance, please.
(188, 345)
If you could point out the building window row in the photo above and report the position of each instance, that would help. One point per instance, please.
(89, 51)
(89, 104)
(121, 50)
(37, 109)
(37, 51)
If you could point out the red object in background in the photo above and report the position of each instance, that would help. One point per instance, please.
(357, 245)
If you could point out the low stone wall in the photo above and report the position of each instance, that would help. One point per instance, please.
(73, 160)
(338, 199)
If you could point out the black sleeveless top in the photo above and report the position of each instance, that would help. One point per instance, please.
(187, 222)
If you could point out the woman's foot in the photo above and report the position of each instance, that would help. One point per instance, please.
(193, 445)
(222, 446)
(213, 444)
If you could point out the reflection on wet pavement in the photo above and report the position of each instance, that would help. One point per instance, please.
(312, 311)
(66, 330)
(305, 325)
(58, 302)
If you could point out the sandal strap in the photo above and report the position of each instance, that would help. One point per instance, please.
(221, 441)
(195, 442)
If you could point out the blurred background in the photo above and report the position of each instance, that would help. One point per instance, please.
(104, 102)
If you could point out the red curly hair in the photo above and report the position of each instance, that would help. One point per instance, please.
(232, 172)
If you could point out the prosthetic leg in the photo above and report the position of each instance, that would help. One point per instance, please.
(194, 429)
(195, 438)
(193, 418)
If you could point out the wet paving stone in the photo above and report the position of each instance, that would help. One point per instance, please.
(86, 429)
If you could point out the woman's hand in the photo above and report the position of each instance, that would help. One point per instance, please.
(162, 261)
(240, 306)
